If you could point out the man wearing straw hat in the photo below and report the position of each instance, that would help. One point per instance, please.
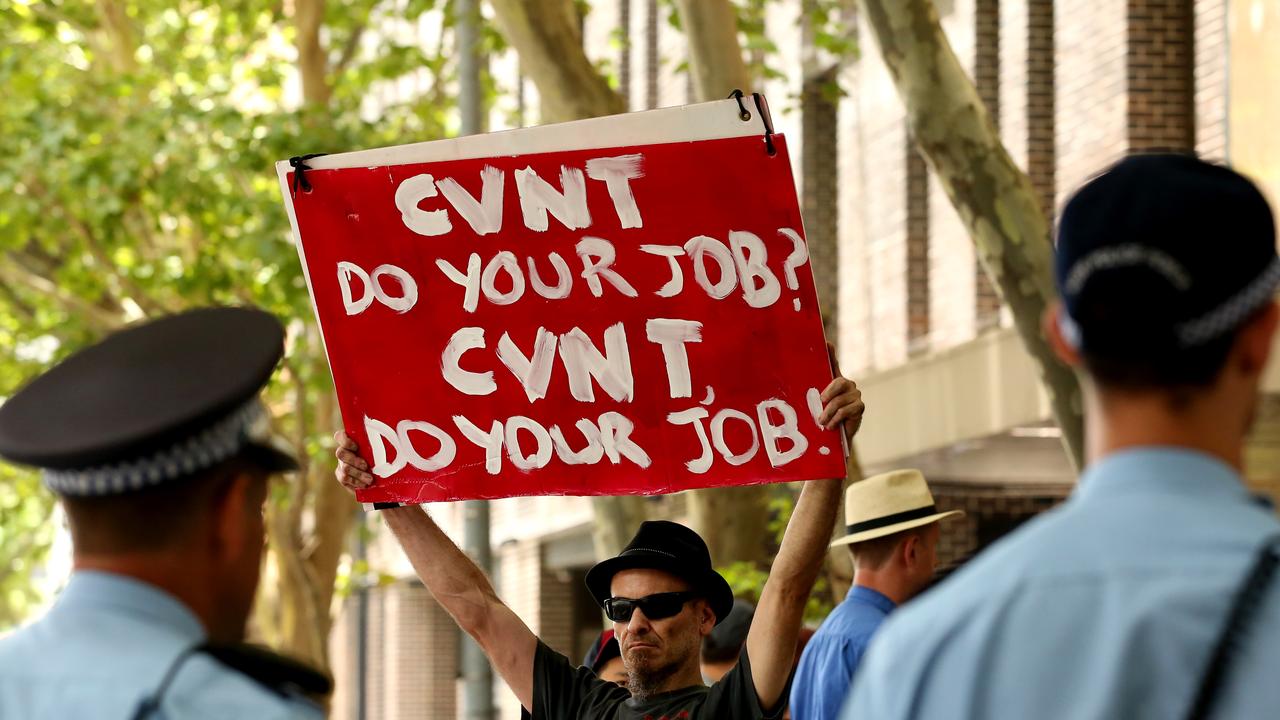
(892, 531)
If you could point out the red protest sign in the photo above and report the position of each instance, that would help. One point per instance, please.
(612, 320)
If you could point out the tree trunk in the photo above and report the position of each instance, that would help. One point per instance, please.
(547, 36)
(313, 65)
(308, 533)
(333, 511)
(121, 40)
(715, 53)
(732, 521)
(839, 561)
(297, 621)
(994, 198)
(617, 517)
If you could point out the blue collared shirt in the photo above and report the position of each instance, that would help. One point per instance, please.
(106, 645)
(1106, 607)
(830, 659)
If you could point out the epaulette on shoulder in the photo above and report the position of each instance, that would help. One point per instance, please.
(285, 676)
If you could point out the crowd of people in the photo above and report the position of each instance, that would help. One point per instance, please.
(1148, 594)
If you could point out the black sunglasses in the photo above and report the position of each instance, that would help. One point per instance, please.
(655, 607)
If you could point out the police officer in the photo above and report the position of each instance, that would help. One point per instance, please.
(156, 443)
(1146, 594)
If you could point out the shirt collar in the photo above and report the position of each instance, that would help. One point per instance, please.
(89, 590)
(1164, 470)
(874, 598)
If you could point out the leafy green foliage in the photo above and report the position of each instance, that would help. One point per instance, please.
(25, 535)
(833, 27)
(136, 161)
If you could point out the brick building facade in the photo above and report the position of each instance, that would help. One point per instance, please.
(1073, 85)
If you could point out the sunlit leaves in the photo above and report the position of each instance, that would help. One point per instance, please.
(142, 182)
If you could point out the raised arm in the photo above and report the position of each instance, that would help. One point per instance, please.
(454, 581)
(771, 642)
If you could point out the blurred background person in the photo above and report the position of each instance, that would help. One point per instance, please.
(605, 659)
(892, 532)
(720, 649)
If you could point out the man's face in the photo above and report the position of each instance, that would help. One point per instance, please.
(656, 649)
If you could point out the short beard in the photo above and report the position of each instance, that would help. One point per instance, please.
(643, 682)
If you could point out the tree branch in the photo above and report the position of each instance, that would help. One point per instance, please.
(20, 306)
(19, 273)
(136, 220)
(55, 15)
(149, 305)
(995, 199)
(349, 49)
(715, 53)
(545, 34)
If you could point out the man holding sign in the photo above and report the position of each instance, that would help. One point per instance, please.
(663, 597)
(615, 306)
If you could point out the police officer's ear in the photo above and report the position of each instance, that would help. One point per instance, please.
(236, 512)
(1052, 329)
(1253, 344)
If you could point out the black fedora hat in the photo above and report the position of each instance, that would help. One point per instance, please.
(670, 547)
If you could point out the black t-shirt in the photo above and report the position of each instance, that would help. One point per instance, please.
(564, 692)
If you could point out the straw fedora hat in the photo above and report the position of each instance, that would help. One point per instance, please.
(888, 503)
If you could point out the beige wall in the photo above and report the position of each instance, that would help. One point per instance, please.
(1255, 91)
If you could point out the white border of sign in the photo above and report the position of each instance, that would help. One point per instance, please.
(688, 123)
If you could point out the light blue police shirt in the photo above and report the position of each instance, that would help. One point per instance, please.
(1106, 607)
(106, 645)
